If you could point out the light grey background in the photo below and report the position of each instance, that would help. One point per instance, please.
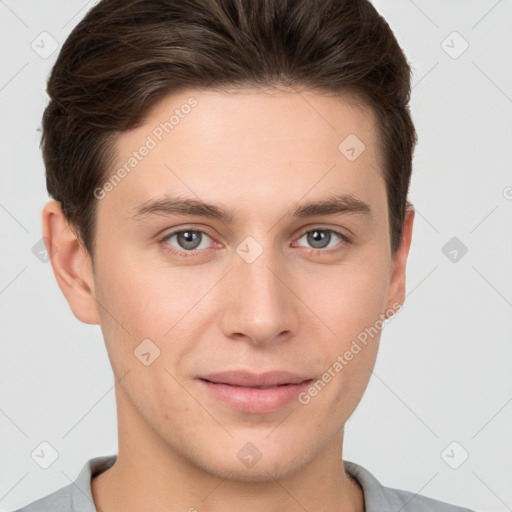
(444, 367)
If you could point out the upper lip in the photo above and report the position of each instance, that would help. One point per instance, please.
(249, 379)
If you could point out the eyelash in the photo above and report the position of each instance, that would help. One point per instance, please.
(195, 252)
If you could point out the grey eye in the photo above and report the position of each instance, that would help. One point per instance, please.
(321, 238)
(188, 239)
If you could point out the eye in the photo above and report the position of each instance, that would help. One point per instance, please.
(187, 240)
(321, 238)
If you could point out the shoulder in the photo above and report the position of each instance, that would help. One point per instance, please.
(76, 496)
(379, 498)
(410, 502)
(58, 501)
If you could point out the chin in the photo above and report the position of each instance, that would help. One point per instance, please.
(265, 469)
(258, 473)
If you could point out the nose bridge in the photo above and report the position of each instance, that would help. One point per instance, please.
(262, 307)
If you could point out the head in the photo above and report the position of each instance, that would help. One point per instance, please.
(195, 152)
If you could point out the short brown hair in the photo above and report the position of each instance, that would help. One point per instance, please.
(126, 55)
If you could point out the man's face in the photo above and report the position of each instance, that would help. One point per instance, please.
(262, 291)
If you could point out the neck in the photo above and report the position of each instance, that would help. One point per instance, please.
(152, 475)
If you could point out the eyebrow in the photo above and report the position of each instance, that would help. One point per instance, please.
(169, 205)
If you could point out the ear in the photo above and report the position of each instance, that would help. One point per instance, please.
(396, 292)
(71, 264)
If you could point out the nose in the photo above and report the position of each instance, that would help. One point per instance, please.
(260, 303)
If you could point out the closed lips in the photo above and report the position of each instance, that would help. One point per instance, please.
(254, 387)
(243, 378)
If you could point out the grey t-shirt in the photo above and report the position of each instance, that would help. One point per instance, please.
(77, 497)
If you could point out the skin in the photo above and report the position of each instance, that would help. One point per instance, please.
(296, 307)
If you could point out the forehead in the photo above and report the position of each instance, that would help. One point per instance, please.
(247, 144)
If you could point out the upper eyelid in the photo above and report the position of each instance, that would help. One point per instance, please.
(196, 230)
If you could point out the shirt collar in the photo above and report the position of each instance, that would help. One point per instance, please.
(81, 494)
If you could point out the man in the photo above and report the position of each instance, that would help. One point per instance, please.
(229, 183)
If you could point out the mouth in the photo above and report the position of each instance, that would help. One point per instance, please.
(251, 397)
(249, 379)
(255, 387)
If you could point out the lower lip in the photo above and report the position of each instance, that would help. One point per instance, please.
(255, 400)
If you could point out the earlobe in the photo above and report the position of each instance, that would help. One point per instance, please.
(70, 262)
(396, 294)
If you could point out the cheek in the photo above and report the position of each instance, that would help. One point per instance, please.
(148, 302)
(352, 298)
(351, 303)
(127, 308)
(138, 310)
(138, 295)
